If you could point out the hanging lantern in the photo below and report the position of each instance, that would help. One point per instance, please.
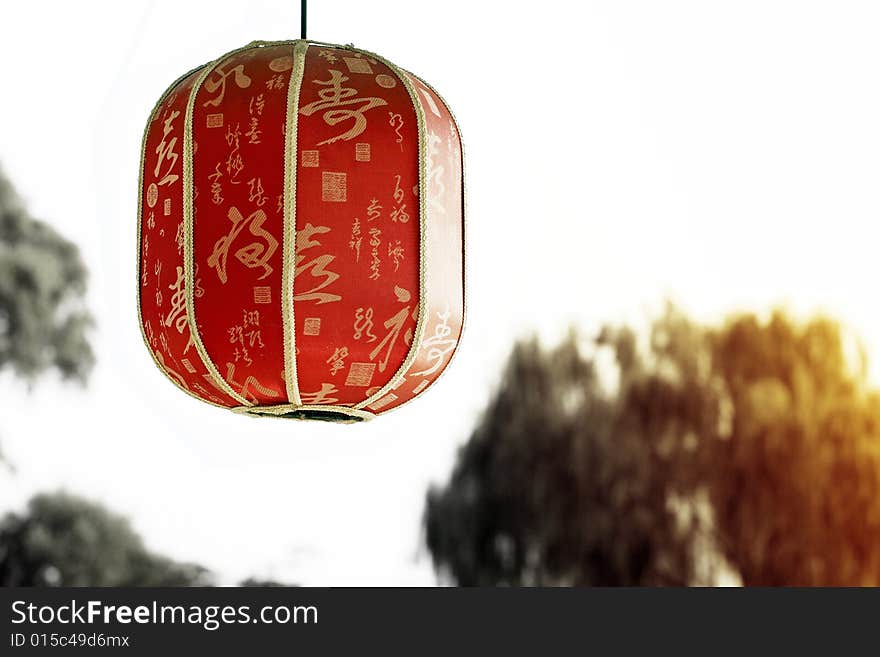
(301, 232)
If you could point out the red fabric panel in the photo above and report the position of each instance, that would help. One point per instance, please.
(163, 307)
(239, 121)
(357, 277)
(444, 286)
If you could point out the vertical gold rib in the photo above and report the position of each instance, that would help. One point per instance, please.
(188, 229)
(464, 272)
(288, 265)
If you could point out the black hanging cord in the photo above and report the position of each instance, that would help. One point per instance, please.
(302, 20)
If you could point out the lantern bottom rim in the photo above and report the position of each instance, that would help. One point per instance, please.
(319, 412)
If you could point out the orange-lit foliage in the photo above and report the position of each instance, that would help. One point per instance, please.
(796, 485)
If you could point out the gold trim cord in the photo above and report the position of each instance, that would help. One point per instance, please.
(288, 258)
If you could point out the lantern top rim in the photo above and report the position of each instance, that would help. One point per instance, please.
(264, 43)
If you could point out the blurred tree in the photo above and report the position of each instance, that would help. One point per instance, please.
(564, 483)
(262, 583)
(64, 540)
(752, 446)
(795, 477)
(61, 540)
(42, 281)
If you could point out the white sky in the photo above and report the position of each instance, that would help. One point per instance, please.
(724, 155)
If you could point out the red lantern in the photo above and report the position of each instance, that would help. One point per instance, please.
(301, 232)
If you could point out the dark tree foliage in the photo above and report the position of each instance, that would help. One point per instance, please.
(259, 582)
(61, 540)
(64, 540)
(751, 446)
(42, 280)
